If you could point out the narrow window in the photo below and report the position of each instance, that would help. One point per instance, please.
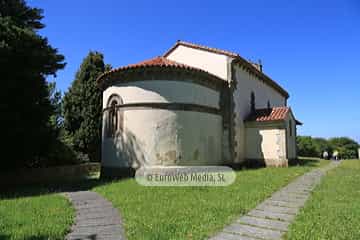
(252, 101)
(113, 118)
(268, 104)
(290, 128)
(114, 123)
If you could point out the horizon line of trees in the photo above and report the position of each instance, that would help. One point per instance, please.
(308, 146)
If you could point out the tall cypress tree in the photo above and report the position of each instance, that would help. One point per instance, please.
(26, 58)
(83, 107)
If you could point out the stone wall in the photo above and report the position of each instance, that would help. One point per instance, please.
(51, 174)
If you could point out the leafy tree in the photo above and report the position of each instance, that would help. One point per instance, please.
(321, 145)
(306, 146)
(314, 147)
(83, 108)
(56, 119)
(347, 147)
(26, 58)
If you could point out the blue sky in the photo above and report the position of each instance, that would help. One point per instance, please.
(312, 48)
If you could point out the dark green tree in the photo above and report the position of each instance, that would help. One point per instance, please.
(83, 108)
(26, 58)
(347, 147)
(306, 146)
(314, 147)
(60, 153)
(56, 118)
(321, 145)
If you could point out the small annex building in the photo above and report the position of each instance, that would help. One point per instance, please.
(194, 105)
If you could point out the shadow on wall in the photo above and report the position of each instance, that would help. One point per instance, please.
(255, 157)
(123, 150)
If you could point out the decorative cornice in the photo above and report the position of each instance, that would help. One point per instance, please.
(168, 106)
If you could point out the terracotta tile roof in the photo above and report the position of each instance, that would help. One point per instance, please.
(197, 46)
(268, 114)
(155, 62)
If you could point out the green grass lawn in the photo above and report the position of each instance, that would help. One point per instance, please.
(333, 211)
(39, 213)
(45, 216)
(194, 212)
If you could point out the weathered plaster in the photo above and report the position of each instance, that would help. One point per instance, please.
(165, 123)
(163, 137)
(266, 144)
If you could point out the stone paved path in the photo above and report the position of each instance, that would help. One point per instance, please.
(271, 218)
(96, 218)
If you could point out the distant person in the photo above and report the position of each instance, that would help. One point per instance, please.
(325, 155)
(336, 155)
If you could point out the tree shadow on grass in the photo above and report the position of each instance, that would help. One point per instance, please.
(31, 190)
(305, 162)
(45, 237)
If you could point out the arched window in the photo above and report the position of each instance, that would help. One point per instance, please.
(115, 116)
(252, 101)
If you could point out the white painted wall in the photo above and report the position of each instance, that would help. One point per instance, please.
(164, 137)
(266, 143)
(214, 63)
(291, 138)
(246, 83)
(163, 91)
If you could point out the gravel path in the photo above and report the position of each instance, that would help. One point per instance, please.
(96, 218)
(271, 218)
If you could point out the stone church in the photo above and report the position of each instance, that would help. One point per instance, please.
(194, 105)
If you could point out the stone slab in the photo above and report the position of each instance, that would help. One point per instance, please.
(271, 215)
(231, 236)
(277, 209)
(251, 231)
(282, 203)
(264, 223)
(96, 218)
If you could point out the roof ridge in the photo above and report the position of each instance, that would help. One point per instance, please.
(155, 61)
(238, 58)
(275, 107)
(203, 47)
